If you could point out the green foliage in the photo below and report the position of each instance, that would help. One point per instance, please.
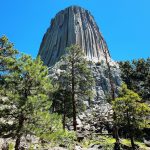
(7, 60)
(75, 83)
(25, 98)
(54, 131)
(62, 137)
(62, 97)
(74, 60)
(82, 74)
(130, 112)
(140, 144)
(7, 54)
(29, 86)
(106, 142)
(136, 75)
(31, 147)
(11, 146)
(129, 106)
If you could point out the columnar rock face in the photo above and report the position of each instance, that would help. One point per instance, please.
(74, 25)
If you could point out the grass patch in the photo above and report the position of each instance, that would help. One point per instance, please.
(11, 146)
(105, 141)
(128, 143)
(108, 142)
(141, 145)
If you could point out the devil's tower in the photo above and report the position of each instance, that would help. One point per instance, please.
(74, 25)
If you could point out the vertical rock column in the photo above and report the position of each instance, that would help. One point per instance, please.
(74, 25)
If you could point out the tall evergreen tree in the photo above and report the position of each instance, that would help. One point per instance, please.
(26, 101)
(130, 111)
(112, 98)
(7, 58)
(61, 103)
(127, 73)
(136, 75)
(76, 79)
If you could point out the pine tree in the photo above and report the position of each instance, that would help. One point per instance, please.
(26, 101)
(130, 111)
(62, 104)
(7, 59)
(127, 73)
(141, 73)
(112, 97)
(136, 75)
(76, 80)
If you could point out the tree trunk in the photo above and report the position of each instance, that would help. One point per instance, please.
(74, 113)
(115, 129)
(73, 96)
(53, 106)
(64, 113)
(74, 106)
(64, 121)
(130, 132)
(17, 144)
(21, 121)
(132, 141)
(89, 101)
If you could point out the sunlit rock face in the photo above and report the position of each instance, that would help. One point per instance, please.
(73, 25)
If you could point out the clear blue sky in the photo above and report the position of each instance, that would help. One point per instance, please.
(125, 24)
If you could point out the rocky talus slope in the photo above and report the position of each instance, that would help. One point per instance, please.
(97, 118)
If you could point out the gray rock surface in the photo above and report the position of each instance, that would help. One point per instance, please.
(97, 118)
(102, 86)
(73, 25)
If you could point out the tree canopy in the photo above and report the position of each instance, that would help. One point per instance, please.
(25, 100)
(130, 111)
(136, 74)
(75, 80)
